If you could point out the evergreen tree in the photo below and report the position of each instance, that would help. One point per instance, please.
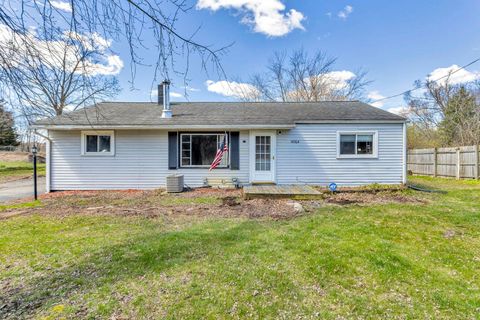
(8, 136)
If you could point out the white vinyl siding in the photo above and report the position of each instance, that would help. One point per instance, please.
(140, 161)
(308, 154)
(305, 154)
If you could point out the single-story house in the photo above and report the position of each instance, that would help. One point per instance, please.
(124, 145)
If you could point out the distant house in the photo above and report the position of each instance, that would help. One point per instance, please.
(123, 145)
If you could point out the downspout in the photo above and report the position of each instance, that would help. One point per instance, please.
(405, 153)
(48, 156)
(41, 135)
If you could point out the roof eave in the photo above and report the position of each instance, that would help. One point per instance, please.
(159, 127)
(203, 127)
(349, 121)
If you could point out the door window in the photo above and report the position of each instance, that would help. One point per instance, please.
(262, 153)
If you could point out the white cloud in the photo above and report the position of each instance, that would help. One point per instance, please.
(113, 66)
(329, 84)
(69, 108)
(266, 16)
(232, 89)
(460, 76)
(90, 41)
(61, 5)
(343, 14)
(375, 95)
(339, 79)
(401, 111)
(176, 94)
(51, 52)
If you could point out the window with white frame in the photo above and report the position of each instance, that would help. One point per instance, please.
(97, 143)
(199, 149)
(357, 144)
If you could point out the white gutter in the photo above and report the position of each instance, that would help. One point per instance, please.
(41, 135)
(207, 127)
(347, 121)
(161, 127)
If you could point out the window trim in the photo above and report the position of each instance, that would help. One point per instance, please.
(180, 149)
(110, 133)
(374, 155)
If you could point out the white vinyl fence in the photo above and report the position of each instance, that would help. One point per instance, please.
(457, 162)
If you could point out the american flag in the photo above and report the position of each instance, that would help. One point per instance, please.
(218, 157)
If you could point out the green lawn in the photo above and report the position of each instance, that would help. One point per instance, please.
(12, 170)
(380, 261)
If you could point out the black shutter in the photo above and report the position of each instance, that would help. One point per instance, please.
(234, 151)
(172, 150)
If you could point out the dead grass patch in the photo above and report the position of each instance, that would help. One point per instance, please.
(9, 156)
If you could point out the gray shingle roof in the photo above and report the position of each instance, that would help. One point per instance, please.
(219, 114)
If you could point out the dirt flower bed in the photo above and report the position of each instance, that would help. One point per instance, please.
(202, 202)
(374, 197)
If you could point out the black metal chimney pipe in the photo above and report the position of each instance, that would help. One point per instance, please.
(160, 94)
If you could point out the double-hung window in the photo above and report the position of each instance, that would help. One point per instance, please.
(97, 143)
(199, 149)
(357, 144)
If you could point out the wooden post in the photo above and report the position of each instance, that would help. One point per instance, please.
(434, 162)
(458, 163)
(475, 157)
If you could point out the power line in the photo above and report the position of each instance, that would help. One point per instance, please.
(414, 89)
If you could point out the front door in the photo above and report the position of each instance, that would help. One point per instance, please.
(262, 156)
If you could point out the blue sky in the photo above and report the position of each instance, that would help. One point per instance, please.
(397, 42)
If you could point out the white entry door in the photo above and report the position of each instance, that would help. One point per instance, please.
(262, 156)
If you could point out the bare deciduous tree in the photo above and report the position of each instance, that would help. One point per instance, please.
(56, 55)
(44, 76)
(429, 107)
(135, 21)
(446, 110)
(301, 77)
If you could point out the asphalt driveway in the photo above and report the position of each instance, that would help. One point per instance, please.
(19, 189)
